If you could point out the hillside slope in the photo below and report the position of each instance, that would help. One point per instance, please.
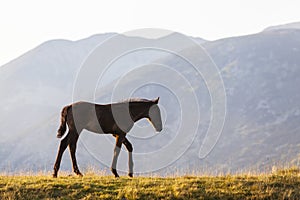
(260, 74)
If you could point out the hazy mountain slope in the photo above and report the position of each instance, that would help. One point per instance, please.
(40, 81)
(260, 74)
(34, 88)
(261, 77)
(294, 25)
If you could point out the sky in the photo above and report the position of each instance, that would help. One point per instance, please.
(26, 24)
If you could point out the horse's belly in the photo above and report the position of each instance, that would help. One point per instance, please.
(95, 127)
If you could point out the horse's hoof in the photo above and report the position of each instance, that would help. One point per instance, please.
(114, 171)
(78, 173)
(130, 175)
(54, 175)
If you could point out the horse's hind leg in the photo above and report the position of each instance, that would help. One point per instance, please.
(62, 147)
(72, 147)
(130, 160)
(119, 141)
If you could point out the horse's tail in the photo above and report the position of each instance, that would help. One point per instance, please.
(63, 122)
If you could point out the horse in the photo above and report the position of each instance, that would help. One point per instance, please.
(116, 119)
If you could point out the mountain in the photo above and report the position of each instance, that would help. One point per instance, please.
(294, 25)
(260, 74)
(262, 112)
(35, 86)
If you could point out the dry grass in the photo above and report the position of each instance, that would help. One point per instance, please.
(282, 184)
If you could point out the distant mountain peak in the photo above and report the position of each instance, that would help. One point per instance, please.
(294, 25)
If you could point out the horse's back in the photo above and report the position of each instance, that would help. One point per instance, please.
(102, 118)
(83, 115)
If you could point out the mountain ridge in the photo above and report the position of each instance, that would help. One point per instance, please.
(260, 76)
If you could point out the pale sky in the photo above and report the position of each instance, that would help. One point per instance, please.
(26, 24)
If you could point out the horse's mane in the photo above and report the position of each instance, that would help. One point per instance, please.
(130, 100)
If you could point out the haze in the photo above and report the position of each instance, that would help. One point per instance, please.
(26, 24)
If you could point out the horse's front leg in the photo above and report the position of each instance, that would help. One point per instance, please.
(130, 159)
(119, 141)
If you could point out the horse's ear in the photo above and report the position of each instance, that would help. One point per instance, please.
(156, 100)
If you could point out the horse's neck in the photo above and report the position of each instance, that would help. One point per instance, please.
(138, 112)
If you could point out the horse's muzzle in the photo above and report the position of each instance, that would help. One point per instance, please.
(159, 130)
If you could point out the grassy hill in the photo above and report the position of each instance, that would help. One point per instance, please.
(283, 184)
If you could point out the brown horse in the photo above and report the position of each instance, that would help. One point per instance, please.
(116, 119)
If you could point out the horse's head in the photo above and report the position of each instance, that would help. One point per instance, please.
(154, 115)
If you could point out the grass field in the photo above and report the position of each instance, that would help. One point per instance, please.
(283, 184)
